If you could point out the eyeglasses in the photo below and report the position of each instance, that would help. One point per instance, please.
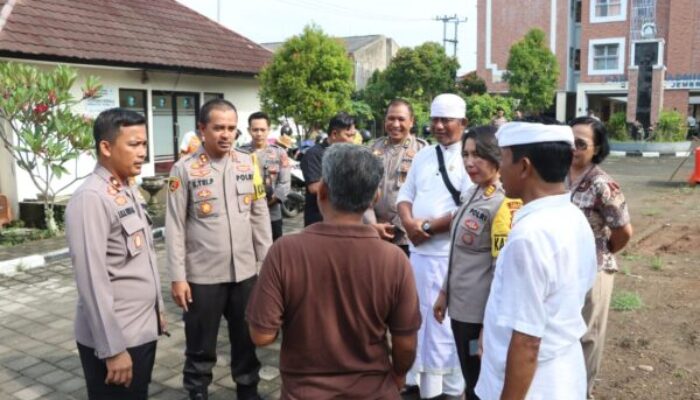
(581, 144)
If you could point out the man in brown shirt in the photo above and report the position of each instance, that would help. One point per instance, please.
(338, 290)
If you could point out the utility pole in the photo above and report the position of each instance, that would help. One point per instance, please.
(218, 11)
(446, 20)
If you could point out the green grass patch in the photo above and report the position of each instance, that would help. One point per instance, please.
(630, 256)
(626, 301)
(657, 263)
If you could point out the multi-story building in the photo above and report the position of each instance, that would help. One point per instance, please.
(636, 56)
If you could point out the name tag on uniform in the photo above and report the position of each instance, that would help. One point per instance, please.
(125, 212)
(244, 177)
(195, 183)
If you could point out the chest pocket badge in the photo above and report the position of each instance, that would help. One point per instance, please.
(134, 231)
(245, 194)
(471, 228)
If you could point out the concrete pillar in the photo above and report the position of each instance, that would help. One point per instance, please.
(8, 180)
(561, 106)
(581, 101)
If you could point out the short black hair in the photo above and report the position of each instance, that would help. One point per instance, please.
(259, 115)
(214, 104)
(600, 137)
(484, 137)
(399, 101)
(551, 160)
(342, 120)
(109, 122)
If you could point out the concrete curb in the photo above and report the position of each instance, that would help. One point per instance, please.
(17, 265)
(648, 154)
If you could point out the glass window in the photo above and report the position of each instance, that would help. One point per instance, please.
(605, 57)
(608, 8)
(212, 96)
(134, 100)
(577, 11)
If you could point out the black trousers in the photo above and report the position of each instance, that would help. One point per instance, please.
(464, 332)
(209, 303)
(276, 229)
(405, 249)
(95, 370)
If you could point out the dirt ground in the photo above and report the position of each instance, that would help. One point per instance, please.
(653, 352)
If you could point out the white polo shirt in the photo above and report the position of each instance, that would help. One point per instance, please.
(540, 283)
(425, 189)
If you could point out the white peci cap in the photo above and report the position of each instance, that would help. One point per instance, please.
(448, 105)
(518, 133)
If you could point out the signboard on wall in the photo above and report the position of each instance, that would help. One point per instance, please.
(107, 98)
(682, 81)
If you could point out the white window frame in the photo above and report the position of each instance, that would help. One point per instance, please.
(620, 41)
(614, 18)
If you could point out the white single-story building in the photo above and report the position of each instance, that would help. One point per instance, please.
(156, 57)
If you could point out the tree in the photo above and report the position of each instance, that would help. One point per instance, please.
(39, 130)
(415, 74)
(471, 84)
(532, 72)
(308, 80)
(482, 108)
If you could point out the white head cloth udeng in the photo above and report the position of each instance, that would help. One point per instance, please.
(517, 133)
(448, 105)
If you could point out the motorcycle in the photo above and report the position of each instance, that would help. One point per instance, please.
(294, 204)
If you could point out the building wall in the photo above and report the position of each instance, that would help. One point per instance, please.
(508, 24)
(375, 56)
(601, 30)
(241, 91)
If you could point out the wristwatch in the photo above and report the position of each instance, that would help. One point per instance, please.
(426, 227)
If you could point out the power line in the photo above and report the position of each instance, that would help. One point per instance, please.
(446, 20)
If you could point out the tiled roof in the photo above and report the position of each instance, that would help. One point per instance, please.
(157, 34)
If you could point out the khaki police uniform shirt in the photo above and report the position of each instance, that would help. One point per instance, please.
(397, 159)
(114, 261)
(477, 234)
(217, 223)
(276, 174)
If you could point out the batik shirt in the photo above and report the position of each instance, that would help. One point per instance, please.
(602, 202)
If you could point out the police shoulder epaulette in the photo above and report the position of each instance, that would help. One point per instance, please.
(243, 150)
(422, 141)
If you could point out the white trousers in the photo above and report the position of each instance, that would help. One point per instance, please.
(436, 369)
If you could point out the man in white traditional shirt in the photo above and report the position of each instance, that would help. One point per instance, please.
(533, 321)
(426, 201)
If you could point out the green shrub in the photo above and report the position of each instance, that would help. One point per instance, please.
(617, 126)
(481, 108)
(670, 127)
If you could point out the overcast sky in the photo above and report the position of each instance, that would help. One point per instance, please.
(409, 22)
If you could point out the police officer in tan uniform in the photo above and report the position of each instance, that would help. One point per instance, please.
(396, 150)
(118, 316)
(217, 234)
(274, 168)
